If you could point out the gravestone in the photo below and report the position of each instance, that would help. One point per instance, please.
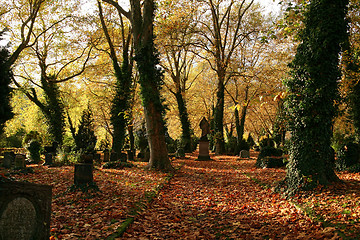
(204, 142)
(48, 159)
(203, 150)
(20, 161)
(83, 174)
(244, 154)
(25, 210)
(8, 159)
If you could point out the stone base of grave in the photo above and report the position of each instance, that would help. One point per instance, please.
(83, 174)
(204, 151)
(25, 210)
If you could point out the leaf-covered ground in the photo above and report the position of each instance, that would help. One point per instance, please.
(227, 198)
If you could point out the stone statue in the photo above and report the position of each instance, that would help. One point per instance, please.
(205, 128)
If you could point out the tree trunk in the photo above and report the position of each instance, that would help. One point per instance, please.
(185, 122)
(150, 81)
(312, 92)
(240, 125)
(150, 78)
(219, 117)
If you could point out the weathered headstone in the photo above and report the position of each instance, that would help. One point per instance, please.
(8, 159)
(25, 210)
(83, 174)
(20, 161)
(244, 154)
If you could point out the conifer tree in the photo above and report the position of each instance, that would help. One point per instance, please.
(85, 138)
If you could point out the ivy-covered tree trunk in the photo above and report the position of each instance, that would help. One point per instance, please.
(5, 90)
(311, 94)
(120, 109)
(185, 122)
(150, 80)
(240, 125)
(219, 117)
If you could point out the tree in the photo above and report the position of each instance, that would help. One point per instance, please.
(255, 61)
(121, 107)
(26, 35)
(351, 67)
(5, 90)
(85, 138)
(174, 38)
(55, 56)
(219, 38)
(311, 94)
(141, 16)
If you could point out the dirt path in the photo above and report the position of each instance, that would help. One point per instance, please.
(218, 200)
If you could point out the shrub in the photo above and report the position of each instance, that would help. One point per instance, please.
(85, 138)
(270, 157)
(231, 146)
(265, 141)
(34, 148)
(347, 156)
(117, 165)
(65, 157)
(250, 141)
(141, 140)
(354, 168)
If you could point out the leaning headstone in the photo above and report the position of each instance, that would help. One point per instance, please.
(25, 210)
(83, 174)
(244, 154)
(20, 161)
(8, 159)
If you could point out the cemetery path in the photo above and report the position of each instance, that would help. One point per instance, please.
(220, 200)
